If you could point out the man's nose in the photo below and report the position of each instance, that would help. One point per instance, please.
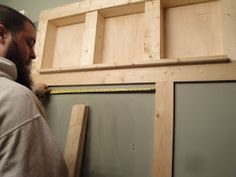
(32, 54)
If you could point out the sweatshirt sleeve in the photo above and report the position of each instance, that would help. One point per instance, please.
(27, 146)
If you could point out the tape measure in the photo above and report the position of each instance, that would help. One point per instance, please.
(102, 90)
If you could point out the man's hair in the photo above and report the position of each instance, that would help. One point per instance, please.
(13, 20)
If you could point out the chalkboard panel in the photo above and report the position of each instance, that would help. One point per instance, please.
(205, 119)
(119, 138)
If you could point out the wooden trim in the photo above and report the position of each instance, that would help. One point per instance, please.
(162, 62)
(133, 8)
(75, 139)
(163, 137)
(190, 72)
(174, 3)
(82, 7)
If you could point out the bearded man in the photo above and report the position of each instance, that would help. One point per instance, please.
(27, 145)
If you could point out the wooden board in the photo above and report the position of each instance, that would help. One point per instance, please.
(74, 146)
(163, 135)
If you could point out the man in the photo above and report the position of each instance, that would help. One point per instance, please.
(27, 146)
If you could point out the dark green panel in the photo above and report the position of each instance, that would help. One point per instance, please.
(119, 140)
(205, 119)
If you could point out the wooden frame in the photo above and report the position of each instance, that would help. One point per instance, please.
(164, 72)
(93, 23)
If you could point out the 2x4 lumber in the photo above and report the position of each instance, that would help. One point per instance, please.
(163, 129)
(93, 38)
(69, 20)
(229, 24)
(152, 31)
(182, 73)
(75, 139)
(174, 3)
(123, 10)
(82, 7)
(99, 39)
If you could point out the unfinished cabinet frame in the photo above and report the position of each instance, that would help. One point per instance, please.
(158, 17)
(98, 32)
(95, 34)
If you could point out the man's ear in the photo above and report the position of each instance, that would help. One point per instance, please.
(3, 33)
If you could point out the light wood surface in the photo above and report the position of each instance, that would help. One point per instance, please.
(49, 47)
(123, 39)
(75, 139)
(194, 30)
(173, 3)
(152, 32)
(82, 7)
(186, 72)
(140, 64)
(89, 43)
(163, 129)
(68, 45)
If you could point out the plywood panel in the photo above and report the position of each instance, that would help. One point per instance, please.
(68, 45)
(194, 30)
(123, 39)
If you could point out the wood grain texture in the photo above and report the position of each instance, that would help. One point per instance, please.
(123, 39)
(174, 3)
(194, 30)
(163, 136)
(75, 139)
(89, 36)
(152, 31)
(82, 7)
(68, 45)
(188, 72)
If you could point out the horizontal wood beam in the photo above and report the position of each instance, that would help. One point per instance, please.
(190, 72)
(174, 3)
(82, 7)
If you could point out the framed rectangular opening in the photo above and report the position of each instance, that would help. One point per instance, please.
(123, 34)
(193, 30)
(64, 41)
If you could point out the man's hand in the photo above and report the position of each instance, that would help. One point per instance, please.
(40, 89)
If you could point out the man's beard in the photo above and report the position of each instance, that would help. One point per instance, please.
(23, 70)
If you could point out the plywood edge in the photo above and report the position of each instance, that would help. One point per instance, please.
(163, 130)
(175, 3)
(82, 7)
(157, 62)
